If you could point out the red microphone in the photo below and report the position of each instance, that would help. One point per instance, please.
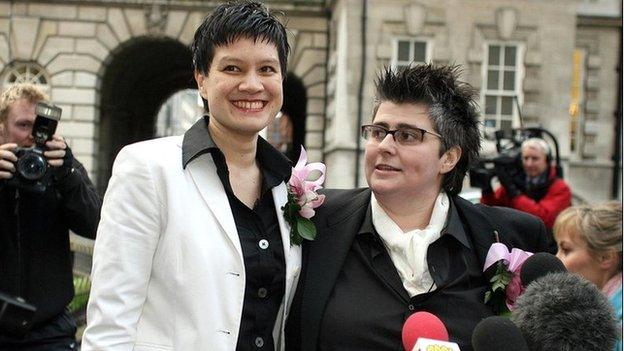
(422, 325)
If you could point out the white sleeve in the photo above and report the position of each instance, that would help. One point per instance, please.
(126, 240)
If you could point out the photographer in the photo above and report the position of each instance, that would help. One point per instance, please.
(536, 190)
(35, 259)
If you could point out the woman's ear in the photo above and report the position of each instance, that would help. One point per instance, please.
(199, 79)
(609, 260)
(450, 158)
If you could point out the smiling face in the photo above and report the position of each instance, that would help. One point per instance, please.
(19, 123)
(243, 86)
(406, 170)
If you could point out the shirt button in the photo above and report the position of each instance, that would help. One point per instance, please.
(262, 293)
(259, 341)
(264, 244)
(410, 307)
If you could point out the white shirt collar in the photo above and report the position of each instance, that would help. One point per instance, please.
(408, 250)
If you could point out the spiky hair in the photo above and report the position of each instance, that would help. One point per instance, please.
(451, 105)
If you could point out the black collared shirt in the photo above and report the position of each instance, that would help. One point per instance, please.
(259, 234)
(369, 303)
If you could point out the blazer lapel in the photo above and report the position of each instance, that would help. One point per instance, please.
(204, 174)
(292, 253)
(480, 229)
(326, 255)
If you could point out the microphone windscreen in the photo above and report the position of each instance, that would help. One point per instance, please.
(497, 333)
(562, 311)
(422, 325)
(539, 265)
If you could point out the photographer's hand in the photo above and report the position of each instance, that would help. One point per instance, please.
(7, 160)
(59, 157)
(56, 151)
(507, 182)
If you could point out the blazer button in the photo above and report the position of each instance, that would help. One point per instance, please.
(259, 342)
(262, 293)
(264, 244)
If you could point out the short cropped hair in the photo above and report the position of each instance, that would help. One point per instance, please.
(599, 226)
(16, 92)
(235, 20)
(452, 109)
(536, 143)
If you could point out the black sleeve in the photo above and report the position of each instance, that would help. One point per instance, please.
(81, 203)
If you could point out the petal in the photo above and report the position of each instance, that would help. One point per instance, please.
(306, 211)
(318, 201)
(303, 158)
(517, 258)
(497, 252)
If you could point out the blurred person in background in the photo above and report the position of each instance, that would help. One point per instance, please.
(589, 241)
(35, 257)
(537, 190)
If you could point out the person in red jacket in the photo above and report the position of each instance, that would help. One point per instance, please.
(537, 190)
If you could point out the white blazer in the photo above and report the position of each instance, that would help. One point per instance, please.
(168, 270)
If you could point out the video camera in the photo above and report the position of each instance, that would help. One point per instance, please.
(31, 167)
(508, 146)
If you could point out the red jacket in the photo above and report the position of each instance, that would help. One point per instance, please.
(557, 198)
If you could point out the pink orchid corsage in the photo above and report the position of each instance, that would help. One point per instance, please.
(507, 276)
(303, 199)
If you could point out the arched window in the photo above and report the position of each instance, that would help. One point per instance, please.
(25, 72)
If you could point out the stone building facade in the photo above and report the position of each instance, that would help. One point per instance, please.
(111, 64)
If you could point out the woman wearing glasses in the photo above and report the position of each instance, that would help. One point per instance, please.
(406, 243)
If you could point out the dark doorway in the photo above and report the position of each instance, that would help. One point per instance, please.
(287, 132)
(138, 77)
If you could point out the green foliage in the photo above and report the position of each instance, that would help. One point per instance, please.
(496, 296)
(82, 287)
(300, 227)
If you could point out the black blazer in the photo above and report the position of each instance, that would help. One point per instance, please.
(337, 222)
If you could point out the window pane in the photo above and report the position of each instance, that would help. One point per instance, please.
(509, 80)
(420, 50)
(404, 51)
(493, 55)
(490, 123)
(510, 56)
(506, 105)
(492, 80)
(490, 105)
(506, 125)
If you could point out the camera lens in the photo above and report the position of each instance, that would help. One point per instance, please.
(32, 166)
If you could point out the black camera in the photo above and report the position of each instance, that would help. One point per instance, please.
(509, 148)
(31, 167)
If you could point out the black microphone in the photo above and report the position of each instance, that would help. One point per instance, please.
(562, 311)
(539, 265)
(497, 333)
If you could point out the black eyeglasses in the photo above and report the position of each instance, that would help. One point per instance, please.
(403, 136)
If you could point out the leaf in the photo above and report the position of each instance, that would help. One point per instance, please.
(306, 228)
(488, 296)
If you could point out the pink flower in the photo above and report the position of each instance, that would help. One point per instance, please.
(513, 262)
(304, 189)
(514, 289)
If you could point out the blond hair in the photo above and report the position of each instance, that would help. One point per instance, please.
(599, 226)
(15, 92)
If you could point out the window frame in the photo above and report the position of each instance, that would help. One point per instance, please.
(28, 77)
(500, 92)
(394, 62)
